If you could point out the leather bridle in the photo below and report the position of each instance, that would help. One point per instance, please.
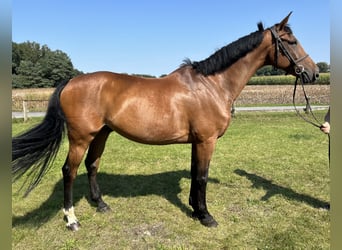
(299, 71)
(279, 46)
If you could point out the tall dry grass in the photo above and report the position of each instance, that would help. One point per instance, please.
(36, 99)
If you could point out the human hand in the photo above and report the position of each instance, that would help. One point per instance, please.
(325, 127)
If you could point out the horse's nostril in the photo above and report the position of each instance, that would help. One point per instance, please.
(316, 75)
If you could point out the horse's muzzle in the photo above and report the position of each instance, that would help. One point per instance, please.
(309, 77)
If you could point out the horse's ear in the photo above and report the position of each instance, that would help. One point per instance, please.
(283, 23)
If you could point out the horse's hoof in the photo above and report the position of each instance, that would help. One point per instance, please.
(205, 219)
(74, 226)
(209, 221)
(103, 209)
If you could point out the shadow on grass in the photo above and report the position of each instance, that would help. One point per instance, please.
(166, 184)
(274, 189)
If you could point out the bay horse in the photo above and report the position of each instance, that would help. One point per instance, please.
(190, 105)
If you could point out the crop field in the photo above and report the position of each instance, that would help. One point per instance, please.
(282, 95)
(324, 78)
(37, 99)
(268, 189)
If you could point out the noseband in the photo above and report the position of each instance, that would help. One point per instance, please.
(279, 45)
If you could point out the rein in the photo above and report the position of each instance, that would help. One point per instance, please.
(299, 70)
(315, 123)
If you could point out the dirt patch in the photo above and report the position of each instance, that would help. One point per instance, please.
(148, 235)
(282, 94)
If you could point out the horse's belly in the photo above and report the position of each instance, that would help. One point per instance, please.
(153, 136)
(157, 131)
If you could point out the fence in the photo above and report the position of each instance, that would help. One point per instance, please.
(23, 107)
(250, 96)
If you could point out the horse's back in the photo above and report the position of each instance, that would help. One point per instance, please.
(142, 109)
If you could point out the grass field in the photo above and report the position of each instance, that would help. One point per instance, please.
(268, 189)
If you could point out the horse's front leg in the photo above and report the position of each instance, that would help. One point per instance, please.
(200, 159)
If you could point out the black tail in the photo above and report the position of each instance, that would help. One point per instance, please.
(34, 150)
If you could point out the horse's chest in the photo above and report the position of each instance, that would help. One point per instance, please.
(210, 124)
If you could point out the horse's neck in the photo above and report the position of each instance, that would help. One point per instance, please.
(235, 78)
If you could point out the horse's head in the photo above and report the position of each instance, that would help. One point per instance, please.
(286, 53)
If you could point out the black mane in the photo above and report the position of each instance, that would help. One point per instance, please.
(229, 54)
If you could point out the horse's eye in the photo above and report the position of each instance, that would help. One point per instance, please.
(294, 42)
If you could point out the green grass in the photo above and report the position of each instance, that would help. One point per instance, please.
(268, 189)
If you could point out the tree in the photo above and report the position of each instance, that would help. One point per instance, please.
(56, 66)
(269, 70)
(323, 67)
(35, 66)
(27, 76)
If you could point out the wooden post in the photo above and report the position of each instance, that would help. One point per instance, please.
(307, 107)
(233, 109)
(25, 111)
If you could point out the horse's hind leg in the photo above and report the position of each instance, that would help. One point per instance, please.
(75, 155)
(92, 163)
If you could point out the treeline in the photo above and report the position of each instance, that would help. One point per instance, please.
(36, 66)
(324, 79)
(271, 71)
(268, 75)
